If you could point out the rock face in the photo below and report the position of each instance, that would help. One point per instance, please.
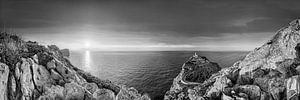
(270, 72)
(193, 73)
(4, 71)
(30, 71)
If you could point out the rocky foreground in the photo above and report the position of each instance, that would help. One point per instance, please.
(29, 71)
(270, 72)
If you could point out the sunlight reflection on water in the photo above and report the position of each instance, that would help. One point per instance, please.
(87, 60)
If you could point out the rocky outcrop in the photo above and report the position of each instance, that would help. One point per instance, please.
(30, 71)
(269, 72)
(65, 52)
(193, 73)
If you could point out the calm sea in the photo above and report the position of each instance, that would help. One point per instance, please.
(149, 72)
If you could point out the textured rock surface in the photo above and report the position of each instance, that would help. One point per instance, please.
(193, 73)
(293, 87)
(29, 71)
(130, 94)
(103, 94)
(269, 72)
(4, 71)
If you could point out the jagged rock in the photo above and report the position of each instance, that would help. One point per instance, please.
(104, 94)
(91, 87)
(4, 71)
(293, 88)
(73, 91)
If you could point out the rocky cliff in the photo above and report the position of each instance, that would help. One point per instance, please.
(193, 73)
(29, 71)
(270, 72)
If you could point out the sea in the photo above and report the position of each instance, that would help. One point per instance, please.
(150, 72)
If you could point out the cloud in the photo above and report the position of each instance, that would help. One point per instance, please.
(201, 23)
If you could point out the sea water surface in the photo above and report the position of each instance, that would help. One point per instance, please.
(150, 72)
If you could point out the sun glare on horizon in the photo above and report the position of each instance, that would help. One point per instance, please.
(87, 45)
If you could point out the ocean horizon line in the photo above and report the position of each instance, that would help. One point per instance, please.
(160, 50)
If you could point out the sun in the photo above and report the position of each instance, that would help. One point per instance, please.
(87, 45)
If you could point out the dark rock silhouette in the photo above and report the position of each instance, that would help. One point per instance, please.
(270, 72)
(196, 70)
(29, 71)
(65, 52)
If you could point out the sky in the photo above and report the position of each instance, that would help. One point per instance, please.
(154, 25)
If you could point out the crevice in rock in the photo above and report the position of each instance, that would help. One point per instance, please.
(8, 87)
(33, 80)
(64, 80)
